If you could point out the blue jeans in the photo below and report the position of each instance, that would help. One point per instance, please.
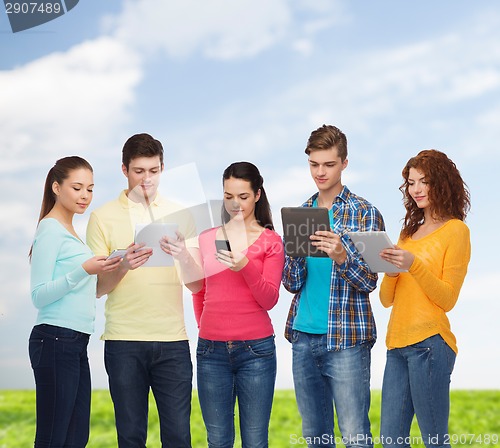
(135, 367)
(61, 367)
(325, 378)
(243, 369)
(417, 382)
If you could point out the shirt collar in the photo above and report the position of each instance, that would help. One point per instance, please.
(127, 203)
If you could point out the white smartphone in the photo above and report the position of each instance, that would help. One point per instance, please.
(117, 253)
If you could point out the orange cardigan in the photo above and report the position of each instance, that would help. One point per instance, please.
(421, 297)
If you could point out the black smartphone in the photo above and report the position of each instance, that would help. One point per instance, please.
(222, 245)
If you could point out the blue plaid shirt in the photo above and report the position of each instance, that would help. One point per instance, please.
(350, 316)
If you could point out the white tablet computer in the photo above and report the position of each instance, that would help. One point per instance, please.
(299, 223)
(369, 245)
(151, 234)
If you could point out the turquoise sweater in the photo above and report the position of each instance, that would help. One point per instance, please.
(61, 289)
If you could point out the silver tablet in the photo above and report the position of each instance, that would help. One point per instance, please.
(369, 245)
(151, 234)
(299, 223)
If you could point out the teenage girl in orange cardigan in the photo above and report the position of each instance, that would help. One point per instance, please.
(434, 248)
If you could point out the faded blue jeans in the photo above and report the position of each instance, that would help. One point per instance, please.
(325, 378)
(135, 367)
(61, 367)
(242, 369)
(417, 382)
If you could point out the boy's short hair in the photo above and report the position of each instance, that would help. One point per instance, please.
(327, 137)
(141, 145)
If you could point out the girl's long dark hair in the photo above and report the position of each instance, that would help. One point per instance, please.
(58, 173)
(449, 195)
(249, 172)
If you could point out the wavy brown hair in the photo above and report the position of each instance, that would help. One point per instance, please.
(449, 195)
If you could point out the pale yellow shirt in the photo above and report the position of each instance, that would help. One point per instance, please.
(147, 303)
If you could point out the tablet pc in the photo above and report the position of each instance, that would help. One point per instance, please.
(369, 245)
(151, 234)
(298, 224)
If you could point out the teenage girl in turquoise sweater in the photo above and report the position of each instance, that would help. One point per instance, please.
(63, 288)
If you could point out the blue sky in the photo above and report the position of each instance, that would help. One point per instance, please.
(222, 81)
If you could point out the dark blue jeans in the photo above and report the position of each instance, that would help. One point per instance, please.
(135, 367)
(62, 376)
(243, 369)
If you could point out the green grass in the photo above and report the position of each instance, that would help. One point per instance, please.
(474, 420)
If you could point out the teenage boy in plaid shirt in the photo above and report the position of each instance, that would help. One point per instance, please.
(330, 323)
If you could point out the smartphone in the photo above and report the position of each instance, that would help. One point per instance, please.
(222, 245)
(117, 253)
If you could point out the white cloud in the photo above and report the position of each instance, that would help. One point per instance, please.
(14, 282)
(432, 82)
(483, 142)
(23, 222)
(287, 186)
(66, 102)
(429, 73)
(474, 83)
(219, 29)
(490, 118)
(480, 287)
(303, 46)
(63, 103)
(223, 29)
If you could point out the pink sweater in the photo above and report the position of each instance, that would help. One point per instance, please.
(234, 306)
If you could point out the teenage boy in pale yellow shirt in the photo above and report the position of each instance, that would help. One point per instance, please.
(146, 345)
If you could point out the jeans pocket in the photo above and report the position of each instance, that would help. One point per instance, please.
(55, 333)
(35, 348)
(117, 348)
(202, 348)
(67, 335)
(262, 348)
(422, 350)
(424, 345)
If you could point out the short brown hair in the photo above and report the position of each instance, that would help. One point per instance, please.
(328, 137)
(141, 145)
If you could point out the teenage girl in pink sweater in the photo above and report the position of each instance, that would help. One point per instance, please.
(233, 290)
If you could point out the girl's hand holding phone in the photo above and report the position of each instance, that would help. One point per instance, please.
(100, 264)
(233, 260)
